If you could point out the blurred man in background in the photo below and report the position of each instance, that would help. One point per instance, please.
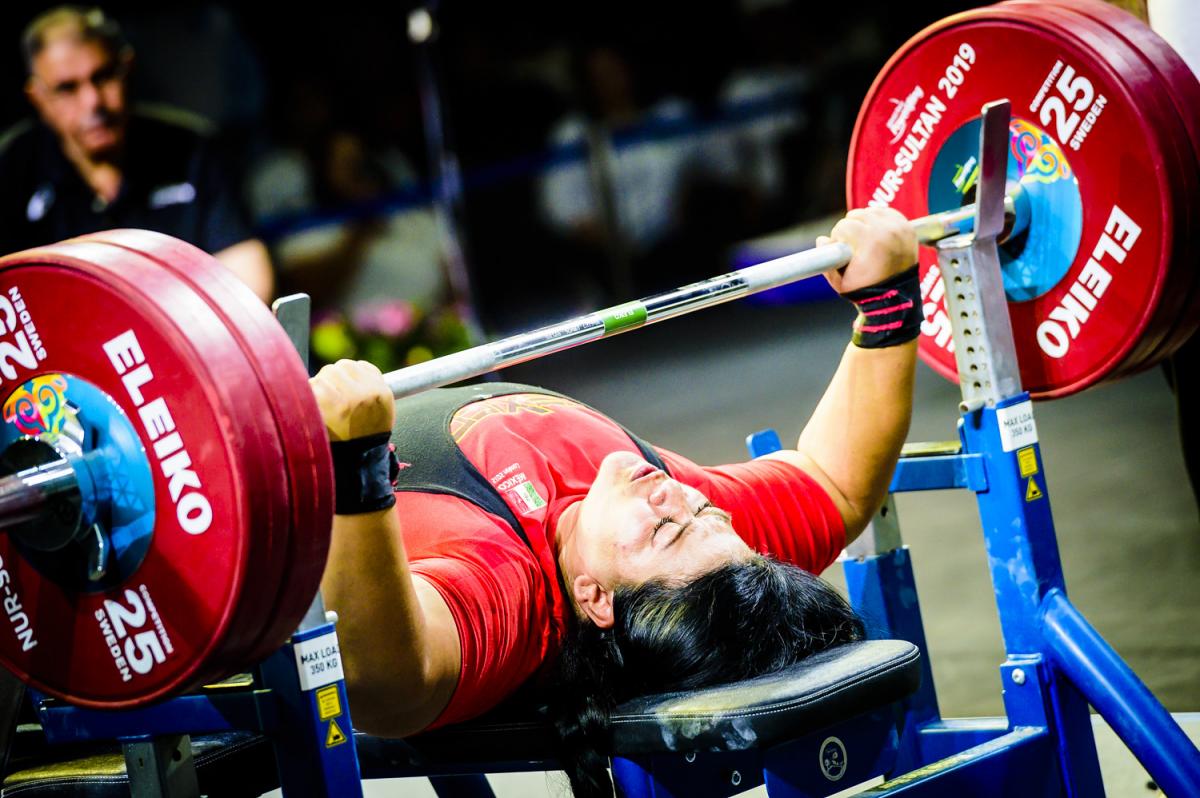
(94, 163)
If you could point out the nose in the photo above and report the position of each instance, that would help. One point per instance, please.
(89, 96)
(668, 495)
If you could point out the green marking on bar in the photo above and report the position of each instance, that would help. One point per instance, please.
(624, 317)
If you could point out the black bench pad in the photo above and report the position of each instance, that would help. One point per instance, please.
(835, 685)
(827, 687)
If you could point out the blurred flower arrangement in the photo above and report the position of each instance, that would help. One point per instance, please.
(390, 333)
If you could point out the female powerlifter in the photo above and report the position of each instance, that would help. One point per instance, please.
(518, 537)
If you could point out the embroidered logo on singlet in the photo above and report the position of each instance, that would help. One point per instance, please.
(470, 415)
(513, 483)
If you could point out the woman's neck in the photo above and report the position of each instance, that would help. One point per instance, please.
(566, 551)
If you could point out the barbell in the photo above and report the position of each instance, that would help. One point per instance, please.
(169, 493)
(114, 470)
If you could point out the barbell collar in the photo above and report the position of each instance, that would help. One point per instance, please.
(599, 324)
(937, 226)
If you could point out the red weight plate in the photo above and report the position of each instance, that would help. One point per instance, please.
(260, 440)
(303, 434)
(155, 633)
(257, 444)
(1179, 167)
(915, 126)
(266, 464)
(255, 610)
(1181, 82)
(1183, 87)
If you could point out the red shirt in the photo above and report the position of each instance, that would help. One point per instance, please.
(542, 453)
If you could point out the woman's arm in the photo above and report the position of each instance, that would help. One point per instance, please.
(400, 646)
(852, 441)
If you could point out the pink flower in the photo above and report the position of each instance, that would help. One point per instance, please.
(392, 317)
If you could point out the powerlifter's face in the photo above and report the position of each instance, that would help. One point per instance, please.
(78, 88)
(636, 524)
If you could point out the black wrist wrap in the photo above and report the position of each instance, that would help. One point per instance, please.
(889, 313)
(364, 470)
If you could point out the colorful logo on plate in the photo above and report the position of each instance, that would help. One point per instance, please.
(1037, 155)
(1035, 260)
(39, 407)
(81, 421)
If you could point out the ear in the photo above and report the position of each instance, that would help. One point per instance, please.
(594, 599)
(31, 93)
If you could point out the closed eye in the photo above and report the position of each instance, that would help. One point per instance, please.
(709, 509)
(706, 508)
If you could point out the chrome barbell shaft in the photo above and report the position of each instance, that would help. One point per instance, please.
(599, 324)
(23, 495)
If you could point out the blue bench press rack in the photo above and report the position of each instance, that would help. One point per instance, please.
(1056, 662)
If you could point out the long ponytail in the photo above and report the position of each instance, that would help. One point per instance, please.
(587, 672)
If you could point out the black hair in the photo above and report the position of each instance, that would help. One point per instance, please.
(89, 24)
(744, 619)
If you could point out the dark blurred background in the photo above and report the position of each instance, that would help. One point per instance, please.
(605, 150)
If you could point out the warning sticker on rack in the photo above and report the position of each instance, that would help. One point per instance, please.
(1016, 426)
(335, 736)
(329, 702)
(1032, 491)
(1027, 461)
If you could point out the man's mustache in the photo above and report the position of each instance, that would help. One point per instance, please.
(101, 117)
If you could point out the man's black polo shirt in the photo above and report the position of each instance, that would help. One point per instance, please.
(172, 182)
